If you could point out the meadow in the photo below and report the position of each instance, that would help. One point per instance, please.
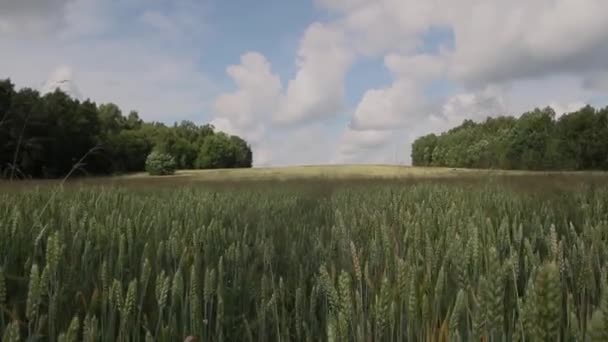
(415, 255)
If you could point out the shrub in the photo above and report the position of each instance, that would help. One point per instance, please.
(160, 164)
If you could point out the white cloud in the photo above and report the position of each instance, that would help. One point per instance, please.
(475, 106)
(111, 57)
(565, 108)
(598, 81)
(247, 111)
(499, 41)
(404, 101)
(23, 17)
(353, 141)
(62, 78)
(257, 95)
(495, 40)
(390, 108)
(308, 144)
(521, 96)
(260, 105)
(317, 91)
(385, 25)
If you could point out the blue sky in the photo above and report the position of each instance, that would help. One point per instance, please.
(314, 81)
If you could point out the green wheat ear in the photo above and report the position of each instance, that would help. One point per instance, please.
(329, 289)
(34, 293)
(73, 329)
(89, 330)
(149, 337)
(600, 317)
(2, 287)
(596, 327)
(11, 334)
(495, 292)
(548, 302)
(382, 307)
(346, 303)
(457, 312)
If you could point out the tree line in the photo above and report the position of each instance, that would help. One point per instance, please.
(537, 140)
(51, 135)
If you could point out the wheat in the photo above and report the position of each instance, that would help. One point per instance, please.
(33, 295)
(2, 287)
(73, 329)
(447, 262)
(90, 329)
(548, 302)
(11, 332)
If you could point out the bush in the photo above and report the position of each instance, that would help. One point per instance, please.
(160, 164)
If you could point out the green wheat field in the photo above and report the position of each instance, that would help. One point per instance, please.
(419, 256)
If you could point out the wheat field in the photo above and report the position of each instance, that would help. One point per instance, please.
(459, 259)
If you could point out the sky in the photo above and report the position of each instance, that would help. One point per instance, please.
(314, 81)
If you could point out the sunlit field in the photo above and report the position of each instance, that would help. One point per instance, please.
(353, 253)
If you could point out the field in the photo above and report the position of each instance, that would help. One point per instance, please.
(307, 254)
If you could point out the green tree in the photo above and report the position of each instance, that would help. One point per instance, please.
(111, 118)
(243, 156)
(216, 152)
(48, 136)
(160, 164)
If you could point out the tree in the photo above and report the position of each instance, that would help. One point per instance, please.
(111, 118)
(243, 156)
(46, 136)
(133, 121)
(535, 141)
(128, 150)
(216, 152)
(160, 164)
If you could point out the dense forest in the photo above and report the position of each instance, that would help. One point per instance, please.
(537, 140)
(47, 136)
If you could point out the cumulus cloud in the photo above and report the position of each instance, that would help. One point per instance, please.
(498, 41)
(354, 142)
(494, 41)
(62, 78)
(391, 107)
(111, 57)
(258, 91)
(248, 110)
(404, 101)
(317, 91)
(598, 80)
(260, 109)
(565, 108)
(309, 144)
(385, 25)
(474, 106)
(31, 16)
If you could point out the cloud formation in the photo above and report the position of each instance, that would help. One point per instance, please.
(23, 17)
(318, 87)
(110, 56)
(496, 57)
